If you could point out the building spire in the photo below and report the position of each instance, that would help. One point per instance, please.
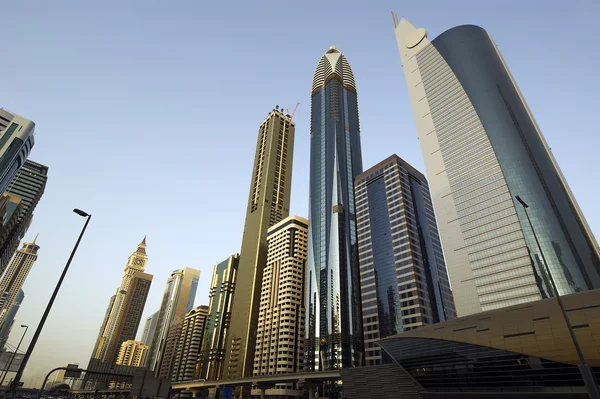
(35, 239)
(141, 249)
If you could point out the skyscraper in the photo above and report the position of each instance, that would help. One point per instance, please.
(16, 141)
(178, 299)
(333, 326)
(482, 149)
(403, 277)
(216, 335)
(12, 281)
(28, 185)
(125, 309)
(149, 328)
(132, 353)
(268, 203)
(9, 319)
(189, 344)
(282, 300)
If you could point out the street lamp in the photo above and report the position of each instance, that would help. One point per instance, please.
(14, 354)
(586, 373)
(36, 335)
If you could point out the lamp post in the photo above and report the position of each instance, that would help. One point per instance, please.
(36, 335)
(586, 372)
(14, 354)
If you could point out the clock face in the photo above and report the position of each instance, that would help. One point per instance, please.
(138, 262)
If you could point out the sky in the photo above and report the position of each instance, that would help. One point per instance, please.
(147, 114)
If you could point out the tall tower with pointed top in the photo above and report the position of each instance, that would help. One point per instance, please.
(125, 308)
(15, 276)
(333, 322)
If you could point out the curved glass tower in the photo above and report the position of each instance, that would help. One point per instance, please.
(333, 323)
(483, 149)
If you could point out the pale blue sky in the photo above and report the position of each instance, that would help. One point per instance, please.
(147, 115)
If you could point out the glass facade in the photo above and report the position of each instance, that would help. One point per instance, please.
(333, 326)
(404, 282)
(529, 169)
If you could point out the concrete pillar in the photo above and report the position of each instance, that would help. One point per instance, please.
(311, 391)
(262, 392)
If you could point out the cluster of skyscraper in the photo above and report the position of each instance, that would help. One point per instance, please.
(22, 183)
(317, 294)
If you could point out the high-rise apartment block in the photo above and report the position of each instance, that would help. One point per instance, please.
(483, 149)
(280, 334)
(268, 204)
(125, 309)
(333, 322)
(12, 281)
(149, 328)
(132, 353)
(216, 334)
(178, 300)
(24, 193)
(16, 141)
(189, 344)
(403, 277)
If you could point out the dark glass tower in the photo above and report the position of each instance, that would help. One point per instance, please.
(404, 281)
(482, 149)
(333, 323)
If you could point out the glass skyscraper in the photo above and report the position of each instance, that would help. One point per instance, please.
(333, 322)
(482, 149)
(403, 277)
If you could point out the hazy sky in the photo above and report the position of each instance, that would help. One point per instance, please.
(147, 115)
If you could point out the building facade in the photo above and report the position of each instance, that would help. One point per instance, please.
(27, 185)
(132, 353)
(268, 204)
(216, 336)
(178, 300)
(280, 333)
(149, 328)
(189, 344)
(482, 150)
(333, 322)
(404, 281)
(14, 278)
(9, 319)
(16, 141)
(125, 309)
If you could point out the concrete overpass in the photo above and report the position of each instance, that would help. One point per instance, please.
(263, 382)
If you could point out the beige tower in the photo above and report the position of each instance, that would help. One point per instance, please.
(189, 344)
(268, 204)
(132, 353)
(125, 308)
(15, 276)
(282, 300)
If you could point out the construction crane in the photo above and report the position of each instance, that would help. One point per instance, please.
(287, 111)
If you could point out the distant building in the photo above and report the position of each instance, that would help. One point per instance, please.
(9, 319)
(268, 204)
(189, 344)
(132, 353)
(178, 299)
(404, 282)
(28, 185)
(482, 149)
(282, 303)
(149, 328)
(12, 281)
(222, 288)
(125, 308)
